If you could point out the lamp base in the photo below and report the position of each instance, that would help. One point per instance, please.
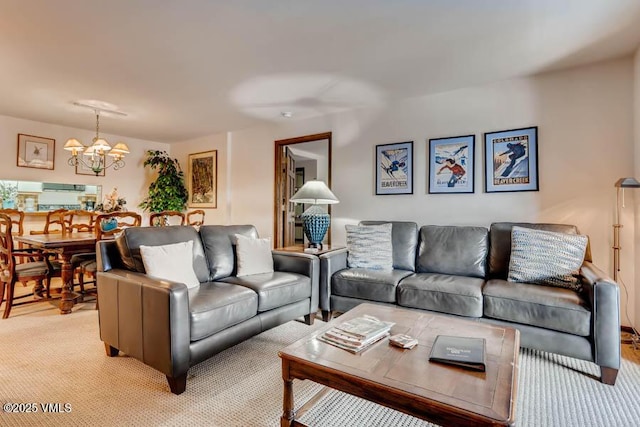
(315, 223)
(314, 245)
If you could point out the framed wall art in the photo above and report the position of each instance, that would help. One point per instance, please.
(36, 152)
(511, 160)
(451, 164)
(394, 168)
(202, 179)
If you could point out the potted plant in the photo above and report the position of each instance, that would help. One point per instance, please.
(8, 194)
(167, 192)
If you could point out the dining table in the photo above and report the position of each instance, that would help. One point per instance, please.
(65, 245)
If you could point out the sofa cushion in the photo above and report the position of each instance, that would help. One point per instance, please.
(215, 306)
(254, 255)
(546, 258)
(275, 289)
(129, 241)
(170, 262)
(219, 247)
(442, 292)
(455, 250)
(404, 239)
(500, 250)
(369, 246)
(547, 307)
(373, 285)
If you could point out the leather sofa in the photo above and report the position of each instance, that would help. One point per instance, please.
(170, 327)
(462, 271)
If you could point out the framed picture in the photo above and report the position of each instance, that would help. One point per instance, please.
(511, 160)
(394, 168)
(82, 169)
(36, 152)
(451, 164)
(202, 179)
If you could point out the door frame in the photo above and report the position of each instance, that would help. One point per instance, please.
(277, 232)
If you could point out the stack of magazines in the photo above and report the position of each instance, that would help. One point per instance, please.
(357, 334)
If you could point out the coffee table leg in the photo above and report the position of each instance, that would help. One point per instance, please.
(287, 400)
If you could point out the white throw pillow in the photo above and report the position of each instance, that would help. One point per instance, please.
(254, 256)
(171, 262)
(546, 258)
(369, 246)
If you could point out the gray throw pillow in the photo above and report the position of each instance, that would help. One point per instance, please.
(546, 258)
(369, 246)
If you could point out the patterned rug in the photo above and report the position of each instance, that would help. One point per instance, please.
(48, 358)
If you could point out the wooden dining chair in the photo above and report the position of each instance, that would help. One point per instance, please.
(123, 220)
(165, 218)
(12, 272)
(81, 221)
(195, 217)
(57, 221)
(17, 219)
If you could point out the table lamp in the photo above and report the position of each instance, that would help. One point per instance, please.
(622, 183)
(315, 220)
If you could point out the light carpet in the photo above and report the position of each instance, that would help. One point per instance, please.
(49, 358)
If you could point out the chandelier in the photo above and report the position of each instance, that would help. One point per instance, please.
(95, 156)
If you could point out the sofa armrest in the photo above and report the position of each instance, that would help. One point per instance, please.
(305, 264)
(604, 294)
(107, 256)
(146, 318)
(330, 263)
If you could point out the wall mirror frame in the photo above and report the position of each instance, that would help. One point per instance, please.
(287, 227)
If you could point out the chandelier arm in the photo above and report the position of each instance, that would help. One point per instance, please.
(117, 164)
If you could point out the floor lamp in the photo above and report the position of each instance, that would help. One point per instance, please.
(622, 183)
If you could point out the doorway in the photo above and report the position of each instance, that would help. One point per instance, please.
(297, 160)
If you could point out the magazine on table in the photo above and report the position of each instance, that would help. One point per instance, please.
(353, 348)
(364, 326)
(460, 351)
(357, 334)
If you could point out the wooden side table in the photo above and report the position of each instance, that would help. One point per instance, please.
(300, 249)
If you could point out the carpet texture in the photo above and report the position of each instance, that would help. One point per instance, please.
(49, 358)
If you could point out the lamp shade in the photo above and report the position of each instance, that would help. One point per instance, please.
(73, 145)
(120, 149)
(629, 182)
(315, 193)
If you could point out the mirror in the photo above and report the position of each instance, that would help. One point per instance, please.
(297, 161)
(33, 196)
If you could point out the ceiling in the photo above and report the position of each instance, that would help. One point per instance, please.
(184, 69)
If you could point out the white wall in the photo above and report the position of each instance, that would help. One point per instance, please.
(132, 181)
(585, 123)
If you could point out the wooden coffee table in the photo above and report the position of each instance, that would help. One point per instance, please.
(405, 380)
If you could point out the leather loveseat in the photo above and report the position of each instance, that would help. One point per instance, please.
(170, 327)
(462, 271)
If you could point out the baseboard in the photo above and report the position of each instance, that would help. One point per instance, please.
(627, 329)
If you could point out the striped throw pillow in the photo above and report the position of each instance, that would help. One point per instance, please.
(546, 258)
(369, 246)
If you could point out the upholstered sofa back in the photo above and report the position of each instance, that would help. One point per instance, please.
(404, 236)
(214, 255)
(456, 250)
(129, 242)
(219, 243)
(500, 250)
